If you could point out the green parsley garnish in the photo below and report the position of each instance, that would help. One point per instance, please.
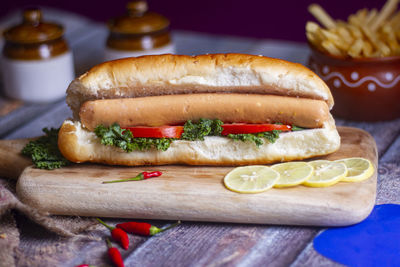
(192, 131)
(116, 136)
(44, 151)
(297, 128)
(257, 138)
(204, 127)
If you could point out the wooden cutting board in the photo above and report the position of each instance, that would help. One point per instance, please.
(198, 194)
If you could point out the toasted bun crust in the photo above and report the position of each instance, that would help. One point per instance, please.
(178, 74)
(80, 145)
(230, 108)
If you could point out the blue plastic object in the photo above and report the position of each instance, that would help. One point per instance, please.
(373, 242)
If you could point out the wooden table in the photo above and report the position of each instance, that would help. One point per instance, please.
(192, 243)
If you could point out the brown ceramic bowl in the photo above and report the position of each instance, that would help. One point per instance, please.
(366, 89)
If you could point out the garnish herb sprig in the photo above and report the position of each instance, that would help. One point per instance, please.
(44, 151)
(116, 136)
(204, 127)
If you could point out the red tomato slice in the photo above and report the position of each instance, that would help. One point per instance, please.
(157, 132)
(176, 131)
(242, 128)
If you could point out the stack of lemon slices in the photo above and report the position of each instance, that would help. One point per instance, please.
(318, 173)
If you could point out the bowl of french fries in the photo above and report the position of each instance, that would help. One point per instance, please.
(359, 59)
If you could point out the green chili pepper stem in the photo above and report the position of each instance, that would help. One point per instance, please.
(106, 225)
(136, 178)
(155, 230)
(109, 243)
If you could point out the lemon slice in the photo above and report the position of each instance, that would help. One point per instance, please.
(326, 173)
(292, 173)
(358, 169)
(251, 179)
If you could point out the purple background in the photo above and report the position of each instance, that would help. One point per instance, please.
(277, 19)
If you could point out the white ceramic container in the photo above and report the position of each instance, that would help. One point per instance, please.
(37, 81)
(36, 64)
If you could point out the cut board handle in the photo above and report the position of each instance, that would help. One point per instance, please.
(12, 162)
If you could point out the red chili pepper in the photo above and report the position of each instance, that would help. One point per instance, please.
(147, 175)
(140, 176)
(84, 265)
(115, 255)
(117, 234)
(142, 228)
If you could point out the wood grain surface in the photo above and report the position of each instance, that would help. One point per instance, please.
(12, 162)
(192, 243)
(193, 193)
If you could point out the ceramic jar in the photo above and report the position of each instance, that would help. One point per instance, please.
(365, 89)
(138, 32)
(36, 63)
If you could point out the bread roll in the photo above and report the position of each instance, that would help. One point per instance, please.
(80, 145)
(170, 89)
(178, 74)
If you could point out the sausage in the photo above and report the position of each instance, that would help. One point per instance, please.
(230, 108)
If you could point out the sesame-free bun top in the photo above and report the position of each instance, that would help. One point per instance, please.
(178, 74)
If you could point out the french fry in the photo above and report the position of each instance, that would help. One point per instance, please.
(345, 34)
(390, 37)
(371, 16)
(361, 15)
(387, 10)
(367, 49)
(314, 30)
(378, 44)
(367, 33)
(353, 20)
(329, 35)
(395, 21)
(312, 26)
(355, 31)
(356, 49)
(335, 39)
(321, 15)
(331, 48)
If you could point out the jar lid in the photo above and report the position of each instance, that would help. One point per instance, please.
(138, 20)
(32, 29)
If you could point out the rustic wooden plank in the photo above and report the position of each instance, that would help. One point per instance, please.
(20, 116)
(389, 183)
(205, 244)
(8, 105)
(392, 154)
(279, 246)
(13, 163)
(41, 248)
(388, 190)
(384, 132)
(27, 111)
(311, 258)
(79, 30)
(34, 117)
(197, 244)
(52, 118)
(342, 204)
